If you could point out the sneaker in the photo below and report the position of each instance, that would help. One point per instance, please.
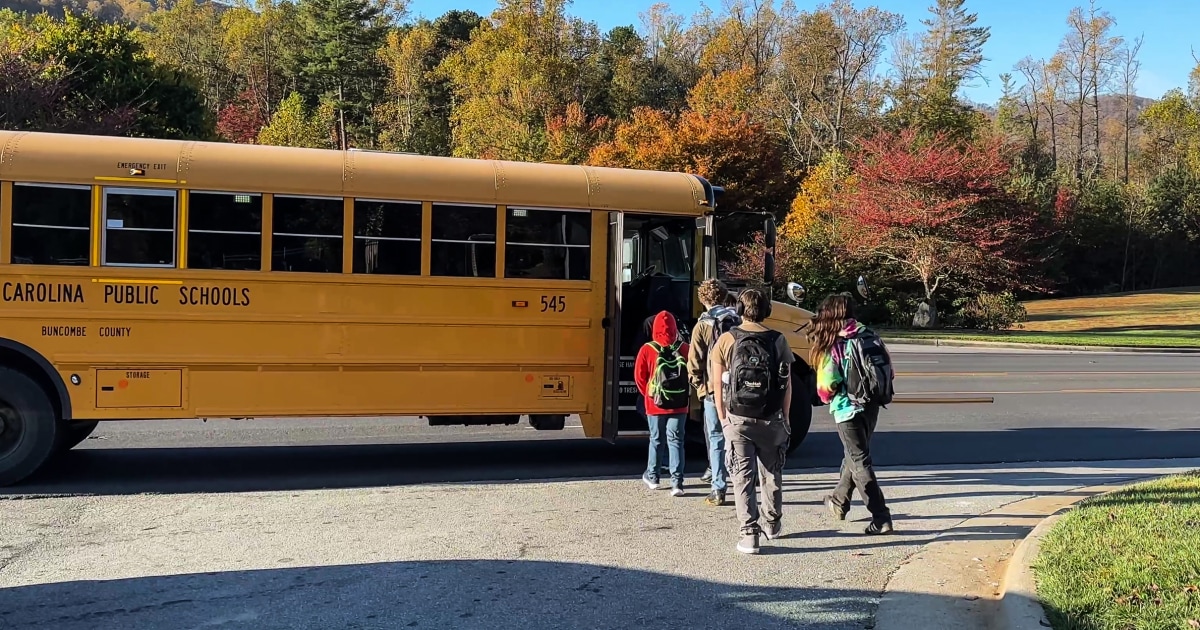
(715, 498)
(707, 477)
(772, 530)
(748, 544)
(651, 482)
(875, 528)
(676, 490)
(837, 512)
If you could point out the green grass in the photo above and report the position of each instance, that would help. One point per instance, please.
(1138, 338)
(1129, 560)
(1168, 318)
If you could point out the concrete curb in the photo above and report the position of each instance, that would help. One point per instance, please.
(957, 343)
(1020, 607)
(978, 573)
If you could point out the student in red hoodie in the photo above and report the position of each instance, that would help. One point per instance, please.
(661, 375)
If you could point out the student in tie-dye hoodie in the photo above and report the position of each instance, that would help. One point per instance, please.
(833, 328)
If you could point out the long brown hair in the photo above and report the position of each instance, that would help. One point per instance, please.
(830, 319)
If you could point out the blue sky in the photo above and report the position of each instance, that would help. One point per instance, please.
(1019, 28)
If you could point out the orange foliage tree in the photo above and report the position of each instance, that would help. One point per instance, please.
(721, 143)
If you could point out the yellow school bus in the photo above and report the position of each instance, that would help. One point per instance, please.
(145, 278)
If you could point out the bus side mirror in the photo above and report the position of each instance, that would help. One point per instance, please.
(769, 233)
(769, 268)
(863, 289)
(795, 290)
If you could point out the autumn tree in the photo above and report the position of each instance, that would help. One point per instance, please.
(37, 96)
(414, 114)
(938, 212)
(260, 44)
(242, 119)
(826, 84)
(189, 36)
(1171, 127)
(517, 72)
(674, 52)
(723, 145)
(571, 137)
(294, 124)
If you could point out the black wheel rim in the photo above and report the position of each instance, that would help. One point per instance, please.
(12, 429)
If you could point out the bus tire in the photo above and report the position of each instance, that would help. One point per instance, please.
(28, 426)
(801, 411)
(72, 433)
(543, 422)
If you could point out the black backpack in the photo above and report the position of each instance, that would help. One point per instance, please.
(756, 387)
(669, 381)
(869, 371)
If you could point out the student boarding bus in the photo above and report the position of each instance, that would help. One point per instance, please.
(158, 279)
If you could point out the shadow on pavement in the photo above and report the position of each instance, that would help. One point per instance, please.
(459, 594)
(260, 468)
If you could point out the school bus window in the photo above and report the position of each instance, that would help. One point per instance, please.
(224, 230)
(307, 234)
(51, 225)
(548, 244)
(139, 227)
(387, 237)
(464, 241)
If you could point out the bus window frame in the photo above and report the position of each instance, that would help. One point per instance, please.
(503, 272)
(426, 209)
(173, 193)
(341, 235)
(10, 220)
(185, 237)
(499, 210)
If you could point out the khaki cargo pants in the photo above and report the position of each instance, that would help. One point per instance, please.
(763, 443)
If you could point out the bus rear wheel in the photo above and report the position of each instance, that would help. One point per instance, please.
(72, 433)
(801, 411)
(28, 426)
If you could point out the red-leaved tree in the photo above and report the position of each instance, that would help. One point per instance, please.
(241, 119)
(937, 211)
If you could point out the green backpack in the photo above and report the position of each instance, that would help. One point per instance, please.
(669, 380)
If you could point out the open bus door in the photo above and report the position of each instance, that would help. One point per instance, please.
(652, 260)
(612, 326)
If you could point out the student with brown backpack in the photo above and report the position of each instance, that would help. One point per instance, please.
(714, 322)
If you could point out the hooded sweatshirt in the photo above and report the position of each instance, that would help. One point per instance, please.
(831, 376)
(665, 333)
(701, 342)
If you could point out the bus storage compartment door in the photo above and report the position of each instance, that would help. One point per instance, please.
(139, 388)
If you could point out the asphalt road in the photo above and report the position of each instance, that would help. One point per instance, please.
(1047, 407)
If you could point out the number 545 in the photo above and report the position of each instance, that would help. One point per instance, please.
(554, 303)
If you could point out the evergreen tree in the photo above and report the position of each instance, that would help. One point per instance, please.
(338, 60)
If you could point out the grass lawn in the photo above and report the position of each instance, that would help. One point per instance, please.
(1152, 318)
(1129, 560)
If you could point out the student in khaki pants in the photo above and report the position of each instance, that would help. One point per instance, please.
(751, 366)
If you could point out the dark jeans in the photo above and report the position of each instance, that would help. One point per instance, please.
(857, 469)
